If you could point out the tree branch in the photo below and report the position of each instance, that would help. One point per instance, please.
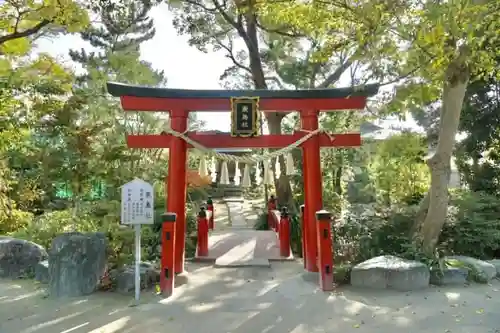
(26, 33)
(275, 80)
(335, 76)
(230, 55)
(279, 31)
(200, 5)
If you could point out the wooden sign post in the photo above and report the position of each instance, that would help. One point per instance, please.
(137, 208)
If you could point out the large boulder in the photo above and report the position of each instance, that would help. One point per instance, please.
(42, 271)
(76, 263)
(480, 271)
(390, 272)
(496, 263)
(125, 277)
(449, 275)
(19, 257)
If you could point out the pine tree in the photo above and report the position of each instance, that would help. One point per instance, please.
(92, 120)
(121, 29)
(117, 37)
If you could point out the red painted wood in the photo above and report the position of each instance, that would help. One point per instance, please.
(132, 103)
(227, 141)
(313, 197)
(178, 185)
(284, 236)
(325, 253)
(167, 275)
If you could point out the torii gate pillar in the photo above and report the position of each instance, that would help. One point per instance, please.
(177, 184)
(312, 188)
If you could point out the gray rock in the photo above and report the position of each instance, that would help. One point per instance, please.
(42, 271)
(449, 275)
(76, 263)
(482, 271)
(390, 272)
(496, 263)
(19, 257)
(125, 277)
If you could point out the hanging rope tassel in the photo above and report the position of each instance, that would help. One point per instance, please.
(203, 170)
(213, 170)
(277, 167)
(224, 174)
(268, 174)
(258, 178)
(247, 182)
(290, 168)
(237, 174)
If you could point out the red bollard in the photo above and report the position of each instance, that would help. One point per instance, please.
(202, 246)
(284, 233)
(210, 208)
(303, 234)
(325, 249)
(167, 275)
(271, 205)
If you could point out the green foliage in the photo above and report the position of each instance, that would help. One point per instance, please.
(262, 222)
(22, 20)
(14, 219)
(374, 232)
(473, 227)
(296, 236)
(478, 154)
(398, 168)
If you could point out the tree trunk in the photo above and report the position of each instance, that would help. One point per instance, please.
(250, 37)
(421, 215)
(457, 78)
(283, 187)
(338, 180)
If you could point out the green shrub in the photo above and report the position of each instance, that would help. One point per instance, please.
(473, 226)
(46, 227)
(472, 229)
(377, 231)
(262, 221)
(13, 220)
(296, 236)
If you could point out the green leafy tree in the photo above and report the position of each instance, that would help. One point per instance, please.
(30, 88)
(398, 170)
(437, 47)
(22, 21)
(266, 52)
(478, 154)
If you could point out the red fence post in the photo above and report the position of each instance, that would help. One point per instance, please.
(167, 275)
(210, 208)
(284, 233)
(325, 249)
(303, 235)
(271, 205)
(202, 243)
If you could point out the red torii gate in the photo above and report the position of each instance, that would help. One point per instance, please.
(179, 102)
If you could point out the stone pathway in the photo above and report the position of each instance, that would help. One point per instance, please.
(280, 299)
(221, 220)
(235, 243)
(236, 215)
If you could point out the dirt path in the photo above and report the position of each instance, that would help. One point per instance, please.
(251, 300)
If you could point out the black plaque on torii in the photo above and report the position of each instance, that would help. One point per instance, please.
(244, 116)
